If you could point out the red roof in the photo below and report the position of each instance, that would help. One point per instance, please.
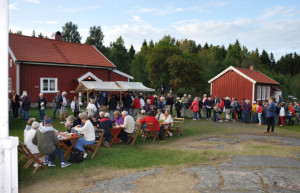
(31, 49)
(257, 76)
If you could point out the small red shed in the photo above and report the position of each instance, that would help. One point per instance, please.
(40, 65)
(239, 83)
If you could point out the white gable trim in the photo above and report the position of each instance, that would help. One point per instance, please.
(234, 69)
(87, 75)
(104, 56)
(12, 54)
(123, 74)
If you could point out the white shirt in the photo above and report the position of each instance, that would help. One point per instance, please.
(91, 109)
(169, 119)
(28, 136)
(142, 102)
(129, 124)
(282, 112)
(64, 101)
(88, 131)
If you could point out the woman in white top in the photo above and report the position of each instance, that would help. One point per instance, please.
(29, 135)
(88, 131)
(159, 116)
(91, 108)
(167, 118)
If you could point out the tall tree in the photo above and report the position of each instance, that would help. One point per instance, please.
(272, 59)
(33, 33)
(70, 33)
(139, 69)
(252, 60)
(265, 60)
(119, 55)
(96, 37)
(40, 35)
(235, 51)
(131, 53)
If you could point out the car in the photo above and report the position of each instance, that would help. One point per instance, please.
(292, 97)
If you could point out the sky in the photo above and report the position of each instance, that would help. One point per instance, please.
(273, 25)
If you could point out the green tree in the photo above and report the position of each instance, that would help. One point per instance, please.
(265, 60)
(187, 46)
(96, 37)
(157, 65)
(40, 35)
(139, 69)
(273, 62)
(70, 33)
(131, 53)
(119, 55)
(235, 51)
(252, 60)
(289, 64)
(33, 33)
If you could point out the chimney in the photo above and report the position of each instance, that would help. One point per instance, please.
(252, 67)
(57, 36)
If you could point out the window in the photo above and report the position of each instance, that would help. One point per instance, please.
(258, 93)
(48, 85)
(268, 93)
(263, 93)
(9, 84)
(10, 63)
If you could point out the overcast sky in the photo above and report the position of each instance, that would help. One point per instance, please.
(273, 25)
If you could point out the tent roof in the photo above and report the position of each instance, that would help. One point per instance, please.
(85, 86)
(134, 86)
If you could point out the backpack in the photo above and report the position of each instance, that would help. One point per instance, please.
(76, 156)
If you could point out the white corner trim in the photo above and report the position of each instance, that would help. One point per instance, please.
(253, 92)
(211, 88)
(103, 55)
(12, 54)
(87, 75)
(18, 81)
(234, 69)
(123, 74)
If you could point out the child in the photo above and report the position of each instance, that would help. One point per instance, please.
(259, 112)
(281, 114)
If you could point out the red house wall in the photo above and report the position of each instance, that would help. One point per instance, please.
(117, 77)
(31, 74)
(233, 85)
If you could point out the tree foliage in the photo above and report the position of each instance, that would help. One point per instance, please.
(139, 69)
(70, 33)
(119, 55)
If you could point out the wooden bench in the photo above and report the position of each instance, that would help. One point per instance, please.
(99, 140)
(31, 158)
(177, 126)
(145, 128)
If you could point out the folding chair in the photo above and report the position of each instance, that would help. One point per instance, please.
(177, 126)
(137, 131)
(167, 129)
(31, 158)
(99, 140)
(147, 133)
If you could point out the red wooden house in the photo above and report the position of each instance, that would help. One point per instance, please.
(40, 65)
(239, 83)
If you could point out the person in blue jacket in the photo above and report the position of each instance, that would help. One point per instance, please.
(271, 113)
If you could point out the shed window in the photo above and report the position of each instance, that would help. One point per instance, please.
(48, 85)
(9, 84)
(258, 93)
(263, 93)
(268, 93)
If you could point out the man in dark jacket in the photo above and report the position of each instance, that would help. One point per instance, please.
(161, 105)
(55, 104)
(15, 105)
(112, 104)
(169, 103)
(42, 102)
(127, 103)
(25, 105)
(106, 124)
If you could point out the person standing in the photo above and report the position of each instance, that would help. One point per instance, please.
(112, 105)
(248, 110)
(243, 108)
(15, 99)
(161, 105)
(42, 102)
(63, 106)
(55, 104)
(200, 107)
(178, 107)
(227, 104)
(136, 106)
(127, 103)
(204, 109)
(291, 113)
(190, 101)
(271, 113)
(185, 104)
(25, 106)
(75, 106)
(170, 102)
(208, 106)
(281, 114)
(254, 113)
(297, 113)
(259, 112)
(195, 108)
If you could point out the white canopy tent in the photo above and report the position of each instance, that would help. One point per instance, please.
(134, 86)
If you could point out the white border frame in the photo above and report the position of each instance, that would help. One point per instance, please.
(87, 75)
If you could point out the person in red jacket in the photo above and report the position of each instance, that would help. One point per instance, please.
(195, 107)
(151, 119)
(259, 112)
(221, 107)
(136, 107)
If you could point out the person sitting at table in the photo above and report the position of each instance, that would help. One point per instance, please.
(42, 122)
(46, 140)
(72, 122)
(167, 118)
(106, 124)
(29, 135)
(140, 116)
(92, 119)
(28, 125)
(159, 116)
(89, 133)
(128, 125)
(101, 115)
(151, 119)
(119, 120)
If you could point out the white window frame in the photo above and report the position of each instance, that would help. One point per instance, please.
(263, 93)
(48, 91)
(10, 63)
(258, 93)
(268, 92)
(9, 84)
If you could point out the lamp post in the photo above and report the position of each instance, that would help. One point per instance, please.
(8, 145)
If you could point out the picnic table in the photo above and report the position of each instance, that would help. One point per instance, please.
(117, 130)
(65, 136)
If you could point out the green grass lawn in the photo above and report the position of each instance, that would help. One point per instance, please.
(168, 152)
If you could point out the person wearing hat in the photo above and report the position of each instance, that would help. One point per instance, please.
(178, 107)
(47, 141)
(140, 116)
(55, 104)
